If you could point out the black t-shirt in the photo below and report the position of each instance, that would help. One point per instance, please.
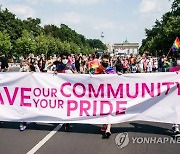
(32, 68)
(119, 66)
(4, 62)
(56, 63)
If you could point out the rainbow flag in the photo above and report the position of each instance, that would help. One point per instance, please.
(93, 65)
(110, 70)
(176, 45)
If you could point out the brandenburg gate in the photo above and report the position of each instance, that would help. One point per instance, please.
(126, 48)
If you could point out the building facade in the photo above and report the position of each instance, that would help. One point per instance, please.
(126, 48)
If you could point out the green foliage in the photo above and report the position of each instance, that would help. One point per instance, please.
(27, 36)
(5, 43)
(176, 6)
(42, 44)
(33, 26)
(66, 34)
(160, 38)
(95, 43)
(25, 44)
(11, 24)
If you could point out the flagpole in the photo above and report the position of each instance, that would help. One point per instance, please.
(169, 52)
(176, 44)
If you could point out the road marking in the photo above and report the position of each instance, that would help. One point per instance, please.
(44, 140)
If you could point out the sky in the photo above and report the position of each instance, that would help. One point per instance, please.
(117, 19)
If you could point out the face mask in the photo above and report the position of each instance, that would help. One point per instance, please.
(65, 61)
(24, 69)
(104, 64)
(178, 62)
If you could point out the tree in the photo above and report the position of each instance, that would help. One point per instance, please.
(74, 48)
(5, 43)
(164, 32)
(95, 43)
(67, 35)
(33, 26)
(28, 36)
(25, 44)
(176, 6)
(11, 24)
(42, 44)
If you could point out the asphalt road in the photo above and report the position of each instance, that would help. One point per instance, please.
(140, 138)
(87, 139)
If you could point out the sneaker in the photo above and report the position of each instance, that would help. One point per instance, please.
(173, 128)
(177, 131)
(67, 127)
(107, 134)
(103, 129)
(22, 126)
(176, 134)
(177, 128)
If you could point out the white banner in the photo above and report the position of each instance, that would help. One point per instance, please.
(95, 99)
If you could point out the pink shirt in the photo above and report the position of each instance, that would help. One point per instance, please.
(174, 69)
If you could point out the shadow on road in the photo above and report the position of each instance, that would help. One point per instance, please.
(146, 128)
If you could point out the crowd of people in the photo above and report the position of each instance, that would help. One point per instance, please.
(95, 64)
(79, 62)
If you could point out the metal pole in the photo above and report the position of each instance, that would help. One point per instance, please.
(168, 52)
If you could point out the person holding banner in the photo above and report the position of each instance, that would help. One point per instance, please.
(93, 63)
(24, 67)
(65, 67)
(175, 127)
(4, 67)
(104, 68)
